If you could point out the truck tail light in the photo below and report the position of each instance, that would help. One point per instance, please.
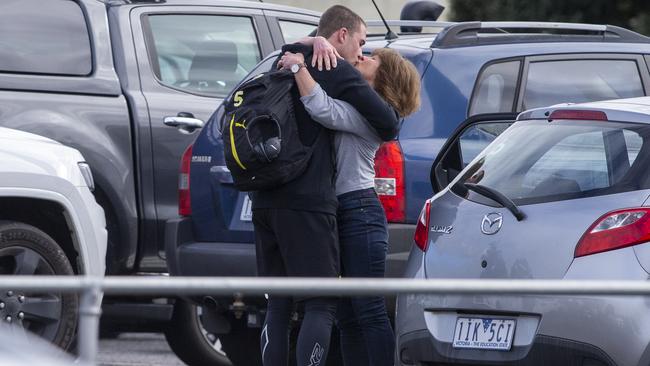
(389, 180)
(615, 230)
(184, 199)
(422, 229)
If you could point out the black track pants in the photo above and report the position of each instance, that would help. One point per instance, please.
(313, 338)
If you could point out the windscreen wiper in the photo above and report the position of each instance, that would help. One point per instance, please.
(497, 197)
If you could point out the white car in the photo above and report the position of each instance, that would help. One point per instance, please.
(50, 224)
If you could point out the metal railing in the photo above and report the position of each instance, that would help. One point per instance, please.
(91, 290)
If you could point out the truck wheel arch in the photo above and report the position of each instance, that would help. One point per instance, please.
(113, 226)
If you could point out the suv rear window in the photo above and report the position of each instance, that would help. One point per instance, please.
(538, 161)
(553, 82)
(44, 37)
(579, 81)
(495, 91)
(215, 120)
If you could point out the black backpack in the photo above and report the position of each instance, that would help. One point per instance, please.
(260, 133)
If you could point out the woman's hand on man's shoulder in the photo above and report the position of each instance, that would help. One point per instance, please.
(324, 54)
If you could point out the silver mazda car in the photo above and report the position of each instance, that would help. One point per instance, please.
(562, 193)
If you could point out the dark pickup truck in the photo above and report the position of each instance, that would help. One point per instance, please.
(127, 83)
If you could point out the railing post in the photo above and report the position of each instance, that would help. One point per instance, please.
(89, 312)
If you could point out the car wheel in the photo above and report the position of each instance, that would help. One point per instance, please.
(195, 346)
(26, 250)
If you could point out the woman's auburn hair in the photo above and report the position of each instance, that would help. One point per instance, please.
(397, 81)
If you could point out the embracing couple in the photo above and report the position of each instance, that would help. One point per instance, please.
(329, 222)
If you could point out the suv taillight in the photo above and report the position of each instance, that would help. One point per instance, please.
(184, 199)
(422, 229)
(615, 230)
(389, 181)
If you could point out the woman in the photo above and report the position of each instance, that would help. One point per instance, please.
(366, 334)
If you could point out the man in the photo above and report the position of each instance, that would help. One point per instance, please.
(295, 224)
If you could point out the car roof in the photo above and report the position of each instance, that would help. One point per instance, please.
(415, 41)
(228, 3)
(404, 48)
(625, 110)
(443, 35)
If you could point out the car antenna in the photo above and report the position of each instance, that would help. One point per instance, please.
(389, 34)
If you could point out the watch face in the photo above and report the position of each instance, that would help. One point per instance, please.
(295, 68)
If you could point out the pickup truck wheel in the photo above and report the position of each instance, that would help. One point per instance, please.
(190, 341)
(26, 250)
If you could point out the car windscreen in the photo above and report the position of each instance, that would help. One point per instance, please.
(541, 161)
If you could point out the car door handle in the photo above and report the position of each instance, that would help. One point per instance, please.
(185, 122)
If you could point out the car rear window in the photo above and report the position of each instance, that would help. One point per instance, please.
(496, 87)
(214, 123)
(551, 82)
(538, 161)
(44, 37)
(579, 81)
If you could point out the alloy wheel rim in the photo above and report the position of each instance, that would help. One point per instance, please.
(211, 338)
(38, 313)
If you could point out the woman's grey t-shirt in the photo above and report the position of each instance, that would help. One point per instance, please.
(355, 142)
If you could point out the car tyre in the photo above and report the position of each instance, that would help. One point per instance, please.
(194, 346)
(26, 250)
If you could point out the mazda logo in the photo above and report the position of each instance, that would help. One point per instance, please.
(491, 223)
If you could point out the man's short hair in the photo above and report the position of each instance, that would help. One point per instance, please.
(337, 17)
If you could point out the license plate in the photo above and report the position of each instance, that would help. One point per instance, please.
(484, 333)
(246, 213)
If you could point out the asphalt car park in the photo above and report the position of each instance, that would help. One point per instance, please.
(136, 349)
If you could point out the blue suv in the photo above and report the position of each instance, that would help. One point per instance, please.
(470, 71)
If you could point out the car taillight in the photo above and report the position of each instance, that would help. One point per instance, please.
(184, 199)
(389, 180)
(422, 229)
(578, 114)
(615, 230)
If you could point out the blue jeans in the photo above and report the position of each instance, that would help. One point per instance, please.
(367, 337)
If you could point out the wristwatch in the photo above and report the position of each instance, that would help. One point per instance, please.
(296, 67)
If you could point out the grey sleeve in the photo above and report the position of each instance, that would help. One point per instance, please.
(335, 114)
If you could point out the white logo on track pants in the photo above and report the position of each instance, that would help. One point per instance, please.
(265, 339)
(316, 355)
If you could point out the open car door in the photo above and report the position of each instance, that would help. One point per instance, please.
(467, 141)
